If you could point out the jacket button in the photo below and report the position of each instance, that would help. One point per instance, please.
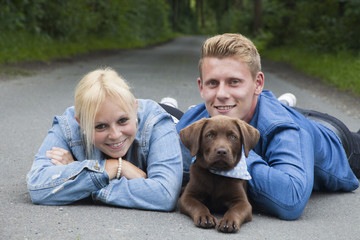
(96, 167)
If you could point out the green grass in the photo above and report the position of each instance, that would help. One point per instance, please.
(22, 46)
(341, 70)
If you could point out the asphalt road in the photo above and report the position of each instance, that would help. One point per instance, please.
(28, 104)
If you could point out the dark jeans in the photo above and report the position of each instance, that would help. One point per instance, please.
(172, 111)
(350, 140)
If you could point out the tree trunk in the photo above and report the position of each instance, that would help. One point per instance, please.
(257, 17)
(200, 12)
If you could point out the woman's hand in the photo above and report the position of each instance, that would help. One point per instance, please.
(128, 170)
(59, 156)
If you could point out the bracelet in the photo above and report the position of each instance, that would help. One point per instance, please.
(119, 169)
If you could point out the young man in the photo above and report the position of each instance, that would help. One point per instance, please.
(294, 155)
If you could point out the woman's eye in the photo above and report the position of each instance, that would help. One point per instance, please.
(100, 126)
(123, 120)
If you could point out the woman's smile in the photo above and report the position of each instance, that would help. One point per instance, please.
(117, 145)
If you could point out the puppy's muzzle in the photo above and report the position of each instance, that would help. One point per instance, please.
(221, 159)
(222, 152)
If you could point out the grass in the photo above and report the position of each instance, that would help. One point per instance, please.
(22, 46)
(341, 70)
(18, 47)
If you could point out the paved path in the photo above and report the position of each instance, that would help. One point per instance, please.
(28, 104)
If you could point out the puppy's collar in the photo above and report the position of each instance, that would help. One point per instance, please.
(240, 171)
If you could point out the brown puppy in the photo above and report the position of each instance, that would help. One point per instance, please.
(217, 143)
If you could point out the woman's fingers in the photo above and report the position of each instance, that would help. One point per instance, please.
(59, 156)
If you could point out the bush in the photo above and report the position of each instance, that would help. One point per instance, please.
(31, 30)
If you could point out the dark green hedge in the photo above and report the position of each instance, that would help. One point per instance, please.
(326, 25)
(75, 19)
(46, 29)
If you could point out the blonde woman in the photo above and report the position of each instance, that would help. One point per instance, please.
(117, 149)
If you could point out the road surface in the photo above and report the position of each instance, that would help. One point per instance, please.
(28, 104)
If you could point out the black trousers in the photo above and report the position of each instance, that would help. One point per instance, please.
(350, 140)
(172, 111)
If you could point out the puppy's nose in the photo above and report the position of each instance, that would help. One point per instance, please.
(221, 151)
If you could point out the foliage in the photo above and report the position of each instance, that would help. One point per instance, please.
(327, 26)
(44, 29)
(340, 70)
(183, 16)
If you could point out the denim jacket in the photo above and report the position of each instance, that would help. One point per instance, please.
(155, 150)
(294, 156)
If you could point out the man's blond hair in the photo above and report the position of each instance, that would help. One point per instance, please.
(232, 45)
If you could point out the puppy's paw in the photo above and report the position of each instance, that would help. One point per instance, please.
(205, 221)
(228, 226)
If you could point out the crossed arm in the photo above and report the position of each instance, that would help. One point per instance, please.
(60, 156)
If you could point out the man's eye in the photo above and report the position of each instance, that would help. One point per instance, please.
(212, 83)
(235, 82)
(100, 126)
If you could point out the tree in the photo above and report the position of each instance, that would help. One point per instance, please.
(257, 16)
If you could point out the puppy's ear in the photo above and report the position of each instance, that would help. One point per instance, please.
(190, 136)
(249, 136)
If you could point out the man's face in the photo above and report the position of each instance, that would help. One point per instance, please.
(228, 88)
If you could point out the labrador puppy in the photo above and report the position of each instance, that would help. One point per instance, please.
(217, 143)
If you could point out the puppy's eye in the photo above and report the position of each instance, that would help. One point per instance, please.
(232, 137)
(209, 135)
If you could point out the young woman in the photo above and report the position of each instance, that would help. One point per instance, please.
(110, 146)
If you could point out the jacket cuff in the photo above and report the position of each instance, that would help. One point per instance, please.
(98, 174)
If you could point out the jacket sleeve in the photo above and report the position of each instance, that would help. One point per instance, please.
(282, 178)
(160, 190)
(50, 184)
(192, 115)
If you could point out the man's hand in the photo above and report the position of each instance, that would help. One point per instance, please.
(59, 156)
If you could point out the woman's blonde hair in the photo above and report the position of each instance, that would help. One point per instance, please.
(232, 45)
(91, 93)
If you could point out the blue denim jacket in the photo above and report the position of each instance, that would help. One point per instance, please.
(294, 156)
(155, 150)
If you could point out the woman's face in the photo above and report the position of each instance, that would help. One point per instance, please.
(115, 129)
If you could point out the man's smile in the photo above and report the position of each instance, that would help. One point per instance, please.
(225, 107)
